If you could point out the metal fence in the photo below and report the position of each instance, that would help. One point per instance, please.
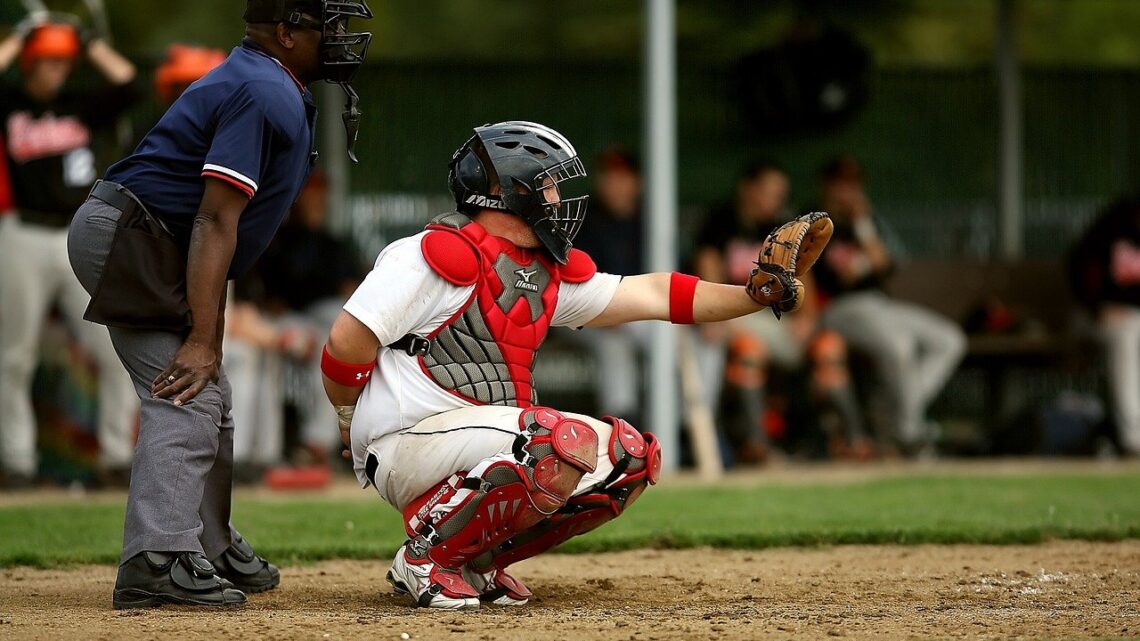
(927, 139)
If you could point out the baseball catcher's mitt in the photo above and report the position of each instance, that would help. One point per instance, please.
(789, 251)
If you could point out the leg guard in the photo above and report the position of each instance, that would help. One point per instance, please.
(637, 465)
(470, 513)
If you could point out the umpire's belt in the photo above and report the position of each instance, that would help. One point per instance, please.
(115, 195)
(143, 284)
(122, 199)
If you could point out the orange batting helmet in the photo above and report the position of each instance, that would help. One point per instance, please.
(183, 65)
(51, 40)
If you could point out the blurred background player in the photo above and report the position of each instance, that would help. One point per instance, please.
(758, 346)
(1105, 274)
(613, 236)
(49, 133)
(914, 350)
(182, 66)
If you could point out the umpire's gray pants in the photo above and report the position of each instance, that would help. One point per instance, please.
(181, 479)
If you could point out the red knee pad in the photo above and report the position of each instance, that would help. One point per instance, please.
(642, 451)
(564, 450)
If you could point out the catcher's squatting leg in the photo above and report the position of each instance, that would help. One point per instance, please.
(514, 505)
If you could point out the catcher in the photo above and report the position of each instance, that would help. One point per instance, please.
(429, 367)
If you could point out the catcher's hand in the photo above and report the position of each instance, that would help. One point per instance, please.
(789, 251)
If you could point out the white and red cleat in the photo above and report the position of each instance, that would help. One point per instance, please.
(431, 585)
(498, 587)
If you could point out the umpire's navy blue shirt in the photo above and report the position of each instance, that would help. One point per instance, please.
(248, 122)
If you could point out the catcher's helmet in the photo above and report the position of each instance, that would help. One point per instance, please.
(523, 159)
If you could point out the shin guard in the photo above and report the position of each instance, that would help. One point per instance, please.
(472, 512)
(637, 465)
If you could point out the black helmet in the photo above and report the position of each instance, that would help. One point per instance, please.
(523, 159)
(342, 51)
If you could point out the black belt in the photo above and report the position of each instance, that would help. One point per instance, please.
(370, 465)
(122, 199)
(116, 196)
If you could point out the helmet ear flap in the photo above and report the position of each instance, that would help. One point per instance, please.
(470, 176)
(473, 173)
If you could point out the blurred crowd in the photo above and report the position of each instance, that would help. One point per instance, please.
(852, 375)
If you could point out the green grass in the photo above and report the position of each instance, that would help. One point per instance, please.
(958, 509)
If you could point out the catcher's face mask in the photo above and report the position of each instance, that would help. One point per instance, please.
(533, 166)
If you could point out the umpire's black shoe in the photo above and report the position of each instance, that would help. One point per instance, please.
(151, 579)
(248, 572)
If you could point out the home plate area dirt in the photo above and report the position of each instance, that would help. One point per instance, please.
(1058, 590)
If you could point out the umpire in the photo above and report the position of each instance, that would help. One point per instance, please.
(156, 241)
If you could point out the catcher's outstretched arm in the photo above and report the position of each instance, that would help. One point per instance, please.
(653, 297)
(788, 252)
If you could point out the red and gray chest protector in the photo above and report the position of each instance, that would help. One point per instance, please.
(485, 353)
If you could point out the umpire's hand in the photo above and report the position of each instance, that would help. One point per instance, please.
(193, 368)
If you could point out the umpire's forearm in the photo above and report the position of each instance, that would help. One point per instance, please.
(212, 244)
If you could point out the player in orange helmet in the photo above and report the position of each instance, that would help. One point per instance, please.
(48, 131)
(183, 65)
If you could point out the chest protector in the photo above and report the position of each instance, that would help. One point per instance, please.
(485, 353)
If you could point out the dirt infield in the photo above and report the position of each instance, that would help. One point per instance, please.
(1057, 590)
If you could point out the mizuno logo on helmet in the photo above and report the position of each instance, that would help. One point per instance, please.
(485, 201)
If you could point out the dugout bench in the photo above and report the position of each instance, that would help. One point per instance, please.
(1028, 338)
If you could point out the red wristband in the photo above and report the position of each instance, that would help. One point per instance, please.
(347, 374)
(682, 292)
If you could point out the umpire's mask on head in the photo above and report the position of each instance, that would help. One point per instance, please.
(342, 51)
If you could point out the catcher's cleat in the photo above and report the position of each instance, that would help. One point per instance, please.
(498, 587)
(151, 579)
(432, 585)
(245, 569)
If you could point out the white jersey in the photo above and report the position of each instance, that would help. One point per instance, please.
(403, 295)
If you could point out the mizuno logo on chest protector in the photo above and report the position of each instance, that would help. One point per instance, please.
(528, 282)
(524, 279)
